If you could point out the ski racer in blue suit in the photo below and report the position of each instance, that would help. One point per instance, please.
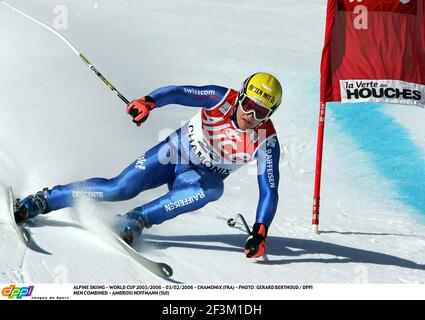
(231, 129)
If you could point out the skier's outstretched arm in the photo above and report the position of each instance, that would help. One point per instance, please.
(268, 182)
(191, 96)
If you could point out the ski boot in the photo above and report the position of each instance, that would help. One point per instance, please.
(31, 206)
(130, 226)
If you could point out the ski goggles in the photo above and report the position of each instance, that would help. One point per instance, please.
(248, 105)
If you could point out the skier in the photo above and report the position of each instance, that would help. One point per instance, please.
(231, 129)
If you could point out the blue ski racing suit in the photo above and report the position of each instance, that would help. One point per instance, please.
(193, 161)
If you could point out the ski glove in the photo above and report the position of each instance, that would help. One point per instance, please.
(255, 245)
(139, 109)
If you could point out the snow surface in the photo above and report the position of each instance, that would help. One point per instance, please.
(58, 123)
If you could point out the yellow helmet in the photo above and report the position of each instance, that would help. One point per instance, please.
(264, 89)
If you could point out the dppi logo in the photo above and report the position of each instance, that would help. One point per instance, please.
(13, 292)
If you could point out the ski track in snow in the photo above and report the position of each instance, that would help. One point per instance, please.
(58, 123)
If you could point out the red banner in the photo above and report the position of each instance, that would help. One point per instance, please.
(374, 51)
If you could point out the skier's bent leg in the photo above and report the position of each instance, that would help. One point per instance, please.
(99, 189)
(190, 191)
(147, 172)
(179, 201)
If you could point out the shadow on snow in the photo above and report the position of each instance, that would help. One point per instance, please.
(292, 250)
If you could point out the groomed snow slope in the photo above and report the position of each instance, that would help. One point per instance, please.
(58, 123)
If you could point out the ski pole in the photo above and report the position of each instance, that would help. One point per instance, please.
(77, 52)
(232, 223)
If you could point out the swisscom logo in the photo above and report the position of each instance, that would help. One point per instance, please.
(14, 292)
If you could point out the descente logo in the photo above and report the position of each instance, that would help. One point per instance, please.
(88, 194)
(13, 292)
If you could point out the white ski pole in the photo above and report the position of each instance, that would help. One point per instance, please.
(72, 47)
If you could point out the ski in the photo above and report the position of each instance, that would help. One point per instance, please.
(160, 269)
(22, 233)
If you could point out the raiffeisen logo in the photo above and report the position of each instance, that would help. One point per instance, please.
(14, 292)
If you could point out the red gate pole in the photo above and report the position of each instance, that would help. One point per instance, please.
(318, 172)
